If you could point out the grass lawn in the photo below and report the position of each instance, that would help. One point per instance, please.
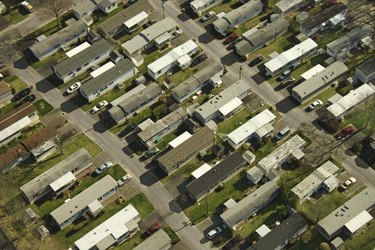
(15, 16)
(55, 57)
(323, 96)
(43, 107)
(172, 235)
(182, 75)
(235, 188)
(15, 83)
(7, 108)
(326, 37)
(224, 7)
(365, 240)
(312, 244)
(163, 144)
(233, 122)
(267, 147)
(184, 171)
(67, 237)
(131, 243)
(319, 59)
(135, 120)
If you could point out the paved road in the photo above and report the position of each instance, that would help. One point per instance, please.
(148, 182)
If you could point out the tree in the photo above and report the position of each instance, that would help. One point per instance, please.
(357, 147)
(306, 237)
(56, 8)
(324, 246)
(159, 110)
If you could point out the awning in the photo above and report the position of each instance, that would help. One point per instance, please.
(62, 181)
(358, 221)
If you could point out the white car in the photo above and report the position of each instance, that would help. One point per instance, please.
(208, 15)
(99, 106)
(124, 180)
(176, 33)
(214, 232)
(315, 104)
(348, 183)
(73, 87)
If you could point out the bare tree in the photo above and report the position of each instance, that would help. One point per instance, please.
(57, 7)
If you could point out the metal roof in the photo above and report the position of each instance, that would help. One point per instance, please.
(351, 99)
(358, 221)
(135, 19)
(285, 5)
(128, 94)
(312, 72)
(77, 49)
(158, 240)
(230, 106)
(201, 170)
(368, 67)
(102, 69)
(180, 139)
(62, 181)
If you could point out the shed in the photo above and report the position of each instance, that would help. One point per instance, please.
(230, 203)
(337, 243)
(263, 230)
(43, 232)
(249, 157)
(145, 124)
(29, 216)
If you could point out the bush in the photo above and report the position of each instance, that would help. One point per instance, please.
(330, 125)
(324, 246)
(306, 237)
(357, 147)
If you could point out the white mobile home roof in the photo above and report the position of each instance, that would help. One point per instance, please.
(359, 221)
(348, 101)
(180, 139)
(230, 106)
(102, 69)
(77, 49)
(136, 19)
(15, 127)
(251, 126)
(280, 154)
(62, 181)
(172, 56)
(291, 54)
(114, 227)
(201, 171)
(145, 124)
(312, 72)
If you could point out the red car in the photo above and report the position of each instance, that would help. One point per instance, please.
(153, 228)
(345, 132)
(231, 38)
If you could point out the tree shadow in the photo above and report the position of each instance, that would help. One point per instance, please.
(243, 183)
(230, 59)
(148, 178)
(72, 104)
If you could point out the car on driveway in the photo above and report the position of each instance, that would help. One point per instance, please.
(124, 180)
(208, 16)
(151, 230)
(99, 106)
(347, 131)
(315, 104)
(287, 81)
(21, 94)
(350, 181)
(233, 44)
(73, 87)
(255, 61)
(281, 134)
(102, 168)
(198, 59)
(214, 232)
(284, 75)
(232, 37)
(176, 33)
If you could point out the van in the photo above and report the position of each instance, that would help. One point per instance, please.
(282, 133)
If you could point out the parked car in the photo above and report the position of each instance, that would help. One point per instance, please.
(231, 38)
(198, 59)
(176, 33)
(284, 75)
(73, 87)
(124, 180)
(214, 232)
(21, 94)
(27, 6)
(232, 44)
(255, 61)
(153, 229)
(282, 133)
(102, 168)
(126, 131)
(1, 76)
(315, 104)
(287, 81)
(347, 131)
(99, 106)
(151, 152)
(208, 16)
(348, 183)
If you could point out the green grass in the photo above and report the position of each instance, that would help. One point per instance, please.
(224, 7)
(131, 243)
(43, 107)
(236, 120)
(184, 74)
(140, 202)
(7, 108)
(319, 59)
(134, 120)
(15, 83)
(323, 96)
(172, 235)
(163, 144)
(185, 170)
(55, 57)
(326, 37)
(15, 16)
(235, 188)
(312, 244)
(365, 240)
(267, 147)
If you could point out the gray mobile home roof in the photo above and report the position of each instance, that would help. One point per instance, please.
(76, 160)
(72, 63)
(323, 16)
(285, 5)
(115, 21)
(157, 127)
(225, 96)
(189, 146)
(346, 212)
(355, 35)
(215, 174)
(368, 67)
(262, 36)
(58, 38)
(82, 7)
(158, 240)
(321, 79)
(83, 199)
(250, 204)
(120, 69)
(281, 234)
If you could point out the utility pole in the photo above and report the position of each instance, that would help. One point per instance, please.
(163, 5)
(240, 72)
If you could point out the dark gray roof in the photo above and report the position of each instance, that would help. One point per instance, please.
(367, 67)
(115, 21)
(323, 16)
(85, 56)
(121, 68)
(215, 174)
(281, 233)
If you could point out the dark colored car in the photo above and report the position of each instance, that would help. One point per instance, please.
(281, 134)
(231, 38)
(153, 229)
(126, 131)
(284, 75)
(198, 59)
(231, 45)
(349, 130)
(21, 94)
(255, 61)
(287, 81)
(236, 240)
